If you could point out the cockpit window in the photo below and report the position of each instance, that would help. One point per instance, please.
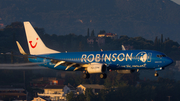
(161, 56)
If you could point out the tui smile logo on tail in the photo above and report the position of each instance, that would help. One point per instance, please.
(32, 45)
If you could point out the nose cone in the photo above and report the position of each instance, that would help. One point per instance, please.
(168, 61)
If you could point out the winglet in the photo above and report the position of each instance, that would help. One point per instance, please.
(123, 48)
(20, 48)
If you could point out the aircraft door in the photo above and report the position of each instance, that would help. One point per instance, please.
(149, 57)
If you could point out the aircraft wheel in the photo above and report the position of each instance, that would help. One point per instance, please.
(103, 76)
(86, 75)
(156, 74)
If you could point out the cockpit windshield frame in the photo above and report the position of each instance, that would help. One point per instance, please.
(161, 55)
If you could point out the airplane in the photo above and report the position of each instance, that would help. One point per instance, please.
(123, 61)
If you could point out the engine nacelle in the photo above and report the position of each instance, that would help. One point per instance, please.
(125, 71)
(96, 68)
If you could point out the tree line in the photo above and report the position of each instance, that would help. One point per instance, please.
(75, 43)
(128, 87)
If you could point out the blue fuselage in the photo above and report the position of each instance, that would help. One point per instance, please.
(116, 60)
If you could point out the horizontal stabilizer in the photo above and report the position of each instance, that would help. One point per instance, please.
(20, 48)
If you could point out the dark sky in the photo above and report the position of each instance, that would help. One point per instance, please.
(123, 17)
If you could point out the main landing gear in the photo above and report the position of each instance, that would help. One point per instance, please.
(156, 74)
(103, 75)
(87, 75)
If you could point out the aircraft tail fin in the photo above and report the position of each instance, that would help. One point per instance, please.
(21, 49)
(35, 44)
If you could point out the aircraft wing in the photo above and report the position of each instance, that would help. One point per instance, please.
(123, 48)
(66, 63)
(57, 62)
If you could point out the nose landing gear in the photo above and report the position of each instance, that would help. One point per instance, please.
(156, 74)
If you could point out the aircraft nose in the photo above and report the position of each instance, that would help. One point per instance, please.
(169, 61)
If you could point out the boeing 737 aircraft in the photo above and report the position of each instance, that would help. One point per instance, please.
(123, 61)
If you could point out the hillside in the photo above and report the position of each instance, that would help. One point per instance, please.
(124, 17)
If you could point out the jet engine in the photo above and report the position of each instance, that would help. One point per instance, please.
(96, 68)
